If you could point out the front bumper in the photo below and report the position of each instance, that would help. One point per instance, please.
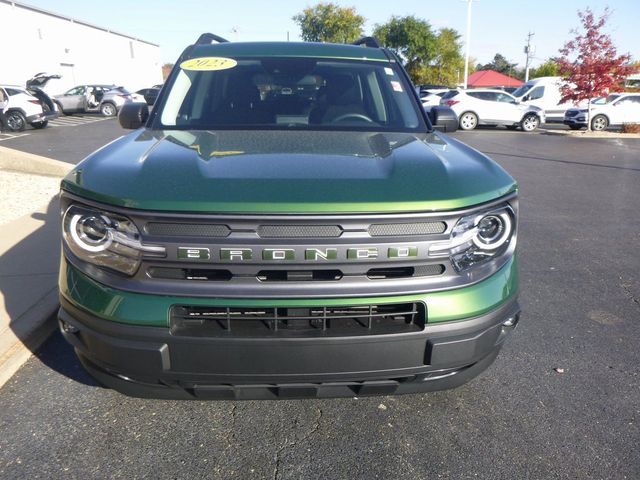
(575, 121)
(150, 362)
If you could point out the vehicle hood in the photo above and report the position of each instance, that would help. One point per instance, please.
(288, 172)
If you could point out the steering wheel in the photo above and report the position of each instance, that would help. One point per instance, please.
(358, 116)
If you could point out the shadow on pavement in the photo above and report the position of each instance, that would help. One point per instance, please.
(29, 287)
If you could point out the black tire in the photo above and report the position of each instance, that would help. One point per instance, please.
(16, 121)
(575, 127)
(599, 123)
(40, 124)
(468, 121)
(108, 109)
(530, 122)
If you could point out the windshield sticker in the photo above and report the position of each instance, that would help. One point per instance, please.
(388, 71)
(208, 64)
(396, 86)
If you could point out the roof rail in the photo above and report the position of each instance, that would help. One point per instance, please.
(368, 42)
(207, 38)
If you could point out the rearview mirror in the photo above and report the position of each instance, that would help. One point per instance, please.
(443, 119)
(133, 115)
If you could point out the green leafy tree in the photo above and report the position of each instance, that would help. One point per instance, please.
(549, 68)
(448, 64)
(414, 42)
(500, 64)
(328, 22)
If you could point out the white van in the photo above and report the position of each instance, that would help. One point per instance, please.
(544, 92)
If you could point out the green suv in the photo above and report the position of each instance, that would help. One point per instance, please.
(287, 222)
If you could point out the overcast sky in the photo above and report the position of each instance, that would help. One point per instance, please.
(497, 25)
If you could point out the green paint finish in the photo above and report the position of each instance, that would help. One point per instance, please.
(321, 254)
(235, 254)
(402, 252)
(278, 254)
(153, 310)
(193, 253)
(284, 171)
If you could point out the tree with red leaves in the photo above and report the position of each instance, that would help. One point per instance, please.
(589, 63)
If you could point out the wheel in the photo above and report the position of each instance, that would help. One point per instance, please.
(599, 123)
(468, 121)
(16, 121)
(530, 122)
(40, 124)
(108, 109)
(575, 127)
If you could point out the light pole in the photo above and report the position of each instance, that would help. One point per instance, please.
(528, 49)
(468, 41)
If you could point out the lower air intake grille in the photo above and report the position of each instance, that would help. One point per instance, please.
(199, 321)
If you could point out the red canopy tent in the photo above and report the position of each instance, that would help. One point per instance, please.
(491, 78)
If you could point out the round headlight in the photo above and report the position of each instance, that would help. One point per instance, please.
(91, 232)
(493, 231)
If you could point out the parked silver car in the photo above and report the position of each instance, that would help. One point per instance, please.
(106, 99)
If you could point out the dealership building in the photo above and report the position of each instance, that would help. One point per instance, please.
(80, 52)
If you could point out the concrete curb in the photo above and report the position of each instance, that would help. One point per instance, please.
(29, 259)
(584, 134)
(18, 343)
(11, 159)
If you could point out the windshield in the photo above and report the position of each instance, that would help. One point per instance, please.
(521, 90)
(611, 98)
(289, 93)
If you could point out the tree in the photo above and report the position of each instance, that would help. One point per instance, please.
(590, 64)
(448, 63)
(413, 40)
(549, 68)
(499, 64)
(328, 22)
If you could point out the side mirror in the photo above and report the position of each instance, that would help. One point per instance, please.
(443, 119)
(525, 98)
(133, 115)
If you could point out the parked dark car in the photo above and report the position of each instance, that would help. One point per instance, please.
(150, 94)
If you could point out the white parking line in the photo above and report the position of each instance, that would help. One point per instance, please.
(75, 121)
(11, 136)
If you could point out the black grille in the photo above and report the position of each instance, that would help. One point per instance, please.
(188, 229)
(572, 113)
(406, 229)
(299, 231)
(405, 272)
(202, 321)
(208, 274)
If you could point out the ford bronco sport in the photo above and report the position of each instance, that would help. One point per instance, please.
(287, 222)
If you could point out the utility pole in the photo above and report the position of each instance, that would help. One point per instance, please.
(467, 42)
(529, 50)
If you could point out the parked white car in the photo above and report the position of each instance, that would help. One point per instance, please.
(25, 109)
(615, 110)
(492, 107)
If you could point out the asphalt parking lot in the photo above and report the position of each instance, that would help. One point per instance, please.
(561, 401)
